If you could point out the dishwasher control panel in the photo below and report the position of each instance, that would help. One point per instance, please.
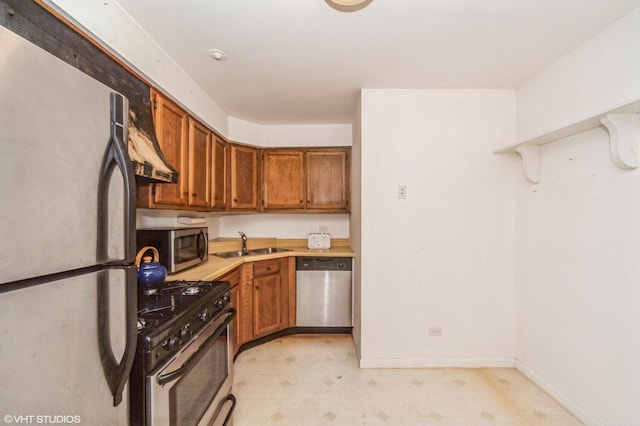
(323, 263)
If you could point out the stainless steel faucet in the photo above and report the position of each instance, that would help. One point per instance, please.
(244, 241)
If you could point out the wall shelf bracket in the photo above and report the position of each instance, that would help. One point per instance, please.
(624, 137)
(530, 155)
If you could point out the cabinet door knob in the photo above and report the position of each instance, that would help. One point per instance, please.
(194, 195)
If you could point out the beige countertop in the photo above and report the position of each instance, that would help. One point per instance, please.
(216, 266)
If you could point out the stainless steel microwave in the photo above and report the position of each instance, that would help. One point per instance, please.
(179, 248)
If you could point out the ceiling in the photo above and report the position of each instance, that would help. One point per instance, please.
(302, 62)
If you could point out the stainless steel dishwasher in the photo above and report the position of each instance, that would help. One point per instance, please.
(323, 292)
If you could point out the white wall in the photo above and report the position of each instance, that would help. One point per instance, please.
(578, 236)
(444, 257)
(578, 280)
(599, 75)
(281, 225)
(269, 136)
(355, 225)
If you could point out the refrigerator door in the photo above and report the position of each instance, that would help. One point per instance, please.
(50, 356)
(56, 126)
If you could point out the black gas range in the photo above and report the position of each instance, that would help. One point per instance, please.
(170, 313)
(184, 349)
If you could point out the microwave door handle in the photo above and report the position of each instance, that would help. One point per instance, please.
(163, 379)
(202, 249)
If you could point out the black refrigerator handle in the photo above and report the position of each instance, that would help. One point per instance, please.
(116, 157)
(117, 371)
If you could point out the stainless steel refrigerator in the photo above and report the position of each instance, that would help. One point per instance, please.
(67, 243)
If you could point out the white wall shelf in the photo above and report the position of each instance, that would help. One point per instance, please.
(624, 137)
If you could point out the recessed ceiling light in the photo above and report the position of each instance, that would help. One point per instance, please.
(217, 54)
(348, 5)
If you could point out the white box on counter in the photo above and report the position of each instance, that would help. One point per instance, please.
(317, 240)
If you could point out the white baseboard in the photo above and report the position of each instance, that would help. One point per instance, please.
(437, 363)
(568, 403)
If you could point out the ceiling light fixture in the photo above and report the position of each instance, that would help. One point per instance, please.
(348, 5)
(217, 54)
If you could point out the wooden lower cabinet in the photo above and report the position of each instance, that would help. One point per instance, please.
(263, 294)
(270, 298)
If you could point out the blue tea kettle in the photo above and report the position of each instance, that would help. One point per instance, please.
(150, 272)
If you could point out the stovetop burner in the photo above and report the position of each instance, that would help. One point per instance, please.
(162, 303)
(191, 291)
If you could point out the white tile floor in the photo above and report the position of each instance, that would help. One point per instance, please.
(315, 380)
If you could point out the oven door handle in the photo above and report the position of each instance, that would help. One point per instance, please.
(163, 379)
(227, 419)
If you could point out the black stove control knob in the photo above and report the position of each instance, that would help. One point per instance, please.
(205, 315)
(185, 334)
(171, 344)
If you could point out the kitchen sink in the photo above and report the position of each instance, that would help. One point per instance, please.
(228, 254)
(238, 253)
(268, 250)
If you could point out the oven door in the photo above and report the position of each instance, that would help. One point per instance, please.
(194, 387)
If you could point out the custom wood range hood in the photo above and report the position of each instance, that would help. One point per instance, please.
(46, 28)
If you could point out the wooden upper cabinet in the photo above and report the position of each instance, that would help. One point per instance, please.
(196, 153)
(171, 130)
(244, 177)
(219, 174)
(199, 165)
(283, 179)
(328, 179)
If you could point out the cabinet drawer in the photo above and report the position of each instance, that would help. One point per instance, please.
(266, 267)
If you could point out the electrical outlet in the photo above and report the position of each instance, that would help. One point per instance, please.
(435, 331)
(323, 229)
(402, 192)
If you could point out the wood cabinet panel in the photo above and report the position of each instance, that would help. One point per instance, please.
(327, 179)
(289, 272)
(219, 174)
(245, 307)
(267, 304)
(244, 177)
(171, 130)
(199, 165)
(283, 180)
